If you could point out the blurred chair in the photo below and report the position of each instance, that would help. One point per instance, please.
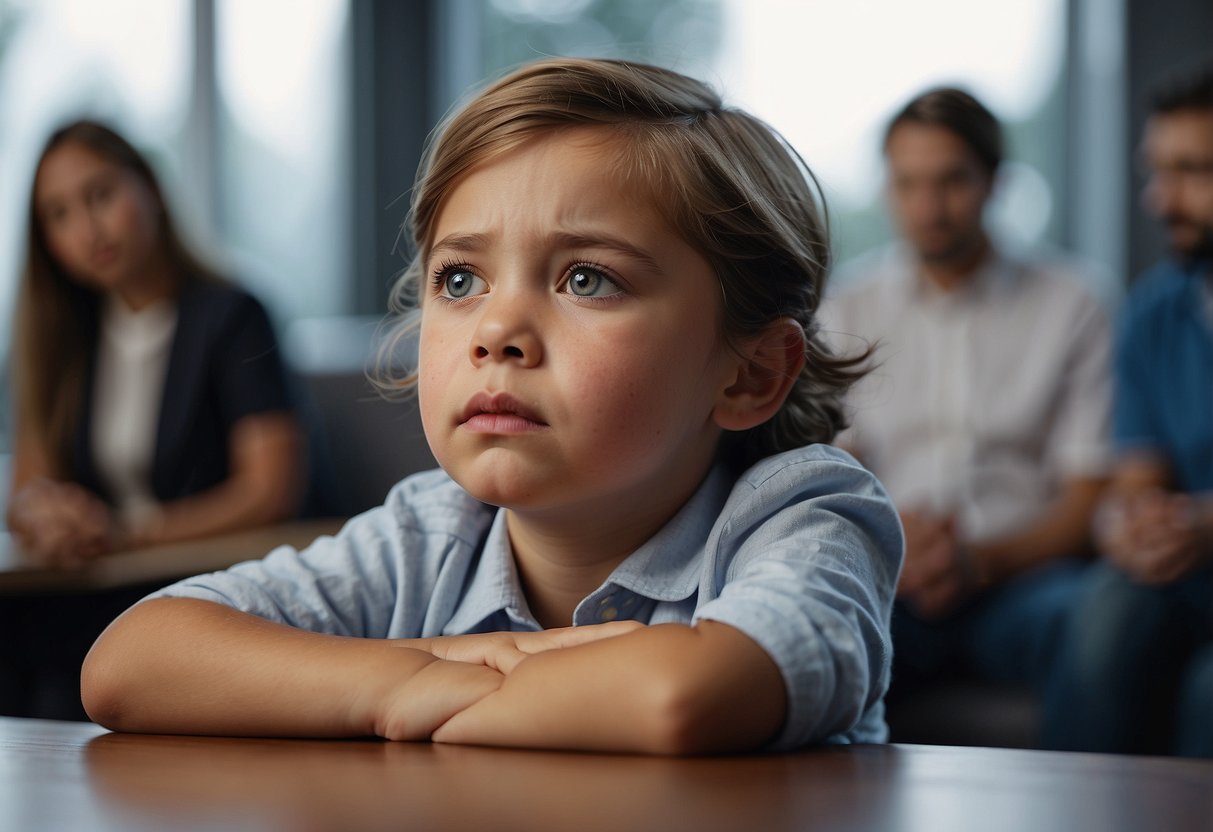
(363, 443)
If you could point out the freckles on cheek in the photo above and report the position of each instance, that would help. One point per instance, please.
(430, 370)
(622, 407)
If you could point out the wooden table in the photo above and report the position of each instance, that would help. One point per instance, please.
(75, 776)
(18, 575)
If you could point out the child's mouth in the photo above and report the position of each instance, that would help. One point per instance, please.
(499, 413)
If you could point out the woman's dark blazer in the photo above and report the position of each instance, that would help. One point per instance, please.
(224, 364)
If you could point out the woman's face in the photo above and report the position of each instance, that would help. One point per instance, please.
(101, 221)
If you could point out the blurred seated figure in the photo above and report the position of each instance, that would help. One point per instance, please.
(986, 416)
(1139, 668)
(151, 403)
(150, 399)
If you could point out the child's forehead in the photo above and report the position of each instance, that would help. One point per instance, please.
(614, 160)
(612, 149)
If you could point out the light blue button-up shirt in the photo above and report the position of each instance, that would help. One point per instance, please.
(801, 553)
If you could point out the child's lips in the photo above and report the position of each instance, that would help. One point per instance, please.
(500, 413)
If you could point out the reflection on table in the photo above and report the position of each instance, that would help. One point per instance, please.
(76, 776)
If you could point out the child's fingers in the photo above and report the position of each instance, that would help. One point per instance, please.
(503, 651)
(573, 636)
(432, 696)
(509, 657)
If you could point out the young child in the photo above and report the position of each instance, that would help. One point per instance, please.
(621, 377)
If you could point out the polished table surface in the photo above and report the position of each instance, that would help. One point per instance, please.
(20, 575)
(76, 776)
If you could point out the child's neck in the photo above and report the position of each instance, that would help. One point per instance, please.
(561, 561)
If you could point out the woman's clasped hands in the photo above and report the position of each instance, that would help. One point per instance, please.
(60, 524)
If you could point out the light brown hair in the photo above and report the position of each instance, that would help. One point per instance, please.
(56, 318)
(726, 182)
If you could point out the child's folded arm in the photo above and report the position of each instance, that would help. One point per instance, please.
(179, 665)
(666, 689)
(182, 665)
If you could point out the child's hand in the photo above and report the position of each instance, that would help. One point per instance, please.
(431, 696)
(470, 668)
(503, 651)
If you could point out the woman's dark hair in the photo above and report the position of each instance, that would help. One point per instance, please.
(56, 317)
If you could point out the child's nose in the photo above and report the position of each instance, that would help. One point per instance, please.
(507, 332)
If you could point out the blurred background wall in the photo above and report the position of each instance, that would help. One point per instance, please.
(288, 131)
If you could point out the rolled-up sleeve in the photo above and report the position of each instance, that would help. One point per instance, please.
(323, 588)
(809, 560)
(1079, 444)
(377, 578)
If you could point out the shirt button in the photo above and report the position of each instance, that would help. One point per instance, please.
(609, 614)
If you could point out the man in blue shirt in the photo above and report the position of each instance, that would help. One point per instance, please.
(1139, 675)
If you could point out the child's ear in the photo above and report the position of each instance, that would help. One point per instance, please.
(767, 367)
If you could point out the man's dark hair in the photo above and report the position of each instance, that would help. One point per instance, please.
(1188, 90)
(958, 111)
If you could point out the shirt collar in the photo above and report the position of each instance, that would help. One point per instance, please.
(493, 587)
(995, 274)
(667, 567)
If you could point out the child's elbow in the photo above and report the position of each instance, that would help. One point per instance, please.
(676, 724)
(100, 689)
(688, 718)
(108, 687)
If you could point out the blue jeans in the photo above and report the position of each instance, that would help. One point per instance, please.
(1194, 733)
(1136, 670)
(1008, 634)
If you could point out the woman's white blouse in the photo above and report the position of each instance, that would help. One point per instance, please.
(129, 385)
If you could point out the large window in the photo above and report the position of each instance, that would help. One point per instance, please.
(241, 108)
(827, 74)
(282, 150)
(124, 61)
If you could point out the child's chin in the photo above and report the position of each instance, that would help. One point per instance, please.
(495, 492)
(501, 482)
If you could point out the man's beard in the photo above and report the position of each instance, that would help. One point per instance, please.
(1199, 249)
(953, 249)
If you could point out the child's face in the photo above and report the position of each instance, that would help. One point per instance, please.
(571, 354)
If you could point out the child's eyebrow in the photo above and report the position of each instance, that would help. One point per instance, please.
(455, 243)
(605, 241)
(461, 243)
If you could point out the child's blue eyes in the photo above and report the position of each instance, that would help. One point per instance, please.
(459, 284)
(588, 282)
(584, 281)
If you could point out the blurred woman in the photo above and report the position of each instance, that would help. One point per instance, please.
(151, 403)
(150, 399)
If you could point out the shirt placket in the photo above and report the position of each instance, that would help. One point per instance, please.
(951, 404)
